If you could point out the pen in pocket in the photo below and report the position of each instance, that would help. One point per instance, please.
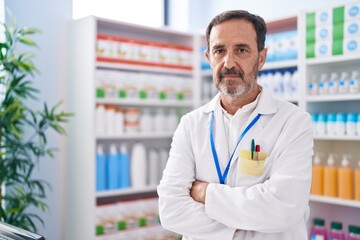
(257, 149)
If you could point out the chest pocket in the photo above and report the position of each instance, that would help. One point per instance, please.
(252, 163)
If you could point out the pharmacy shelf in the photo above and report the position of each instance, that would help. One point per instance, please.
(124, 192)
(338, 138)
(334, 59)
(145, 102)
(137, 135)
(142, 68)
(335, 201)
(333, 98)
(280, 64)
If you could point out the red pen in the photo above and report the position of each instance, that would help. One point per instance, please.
(257, 150)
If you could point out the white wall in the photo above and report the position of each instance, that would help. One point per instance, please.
(202, 11)
(51, 18)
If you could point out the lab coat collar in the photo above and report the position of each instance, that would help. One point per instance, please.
(266, 104)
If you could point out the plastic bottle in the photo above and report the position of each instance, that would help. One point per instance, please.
(287, 84)
(317, 185)
(345, 179)
(351, 119)
(357, 182)
(318, 230)
(110, 120)
(340, 124)
(100, 169)
(277, 87)
(336, 232)
(146, 121)
(124, 167)
(295, 83)
(112, 168)
(323, 84)
(354, 233)
(164, 155)
(100, 119)
(330, 177)
(313, 85)
(314, 118)
(358, 125)
(321, 125)
(153, 169)
(138, 165)
(159, 121)
(344, 83)
(330, 124)
(354, 83)
(334, 83)
(172, 120)
(119, 122)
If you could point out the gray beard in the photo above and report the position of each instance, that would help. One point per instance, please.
(238, 91)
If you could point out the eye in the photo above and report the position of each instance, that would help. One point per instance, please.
(242, 50)
(219, 51)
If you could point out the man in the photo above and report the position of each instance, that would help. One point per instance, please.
(239, 166)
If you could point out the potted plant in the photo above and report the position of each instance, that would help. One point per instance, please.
(23, 135)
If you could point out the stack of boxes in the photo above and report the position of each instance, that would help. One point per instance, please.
(333, 31)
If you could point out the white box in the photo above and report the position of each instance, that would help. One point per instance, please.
(352, 28)
(351, 45)
(352, 11)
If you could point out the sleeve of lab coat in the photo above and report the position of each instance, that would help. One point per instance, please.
(177, 209)
(279, 202)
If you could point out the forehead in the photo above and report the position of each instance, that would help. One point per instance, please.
(234, 31)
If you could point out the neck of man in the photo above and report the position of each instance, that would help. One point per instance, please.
(231, 105)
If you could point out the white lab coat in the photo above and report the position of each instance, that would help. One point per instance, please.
(272, 206)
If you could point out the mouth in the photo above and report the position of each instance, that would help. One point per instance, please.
(231, 74)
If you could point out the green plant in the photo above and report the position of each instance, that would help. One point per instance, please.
(23, 135)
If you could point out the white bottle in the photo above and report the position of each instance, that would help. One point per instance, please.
(331, 124)
(295, 83)
(138, 166)
(344, 83)
(354, 82)
(334, 83)
(358, 125)
(163, 155)
(287, 83)
(340, 124)
(110, 120)
(313, 85)
(100, 119)
(154, 167)
(146, 121)
(119, 122)
(321, 125)
(323, 84)
(277, 84)
(351, 124)
(159, 121)
(172, 120)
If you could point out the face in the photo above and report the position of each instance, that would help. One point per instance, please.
(234, 57)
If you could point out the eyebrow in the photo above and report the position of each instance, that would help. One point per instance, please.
(240, 45)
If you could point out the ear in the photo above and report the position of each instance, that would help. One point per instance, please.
(207, 55)
(262, 58)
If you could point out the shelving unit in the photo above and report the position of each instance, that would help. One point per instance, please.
(82, 198)
(332, 209)
(84, 62)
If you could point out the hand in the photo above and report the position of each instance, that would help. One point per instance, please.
(198, 191)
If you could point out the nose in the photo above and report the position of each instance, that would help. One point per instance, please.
(229, 60)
